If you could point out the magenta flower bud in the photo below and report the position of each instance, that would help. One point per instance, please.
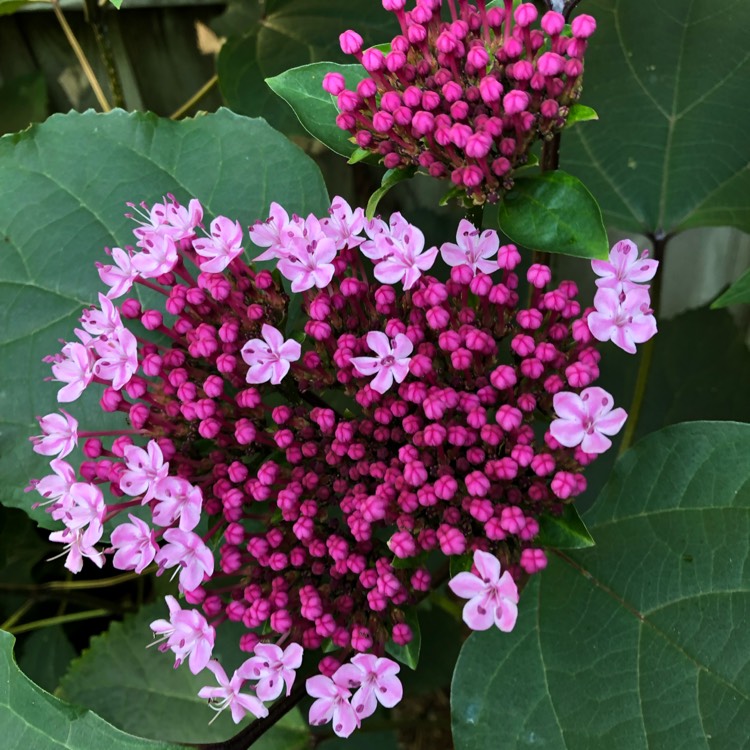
(459, 110)
(477, 484)
(402, 634)
(550, 64)
(402, 544)
(472, 176)
(553, 23)
(513, 48)
(430, 100)
(373, 60)
(400, 44)
(346, 121)
(478, 57)
(576, 48)
(459, 29)
(416, 33)
(533, 560)
(412, 97)
(451, 540)
(501, 166)
(422, 123)
(579, 375)
(333, 83)
(523, 70)
(490, 89)
(508, 417)
(583, 26)
(382, 122)
(549, 108)
(525, 14)
(442, 137)
(394, 5)
(422, 13)
(351, 42)
(348, 101)
(402, 116)
(539, 275)
(391, 161)
(367, 88)
(452, 91)
(515, 101)
(478, 146)
(508, 257)
(394, 61)
(564, 485)
(573, 68)
(460, 134)
(446, 43)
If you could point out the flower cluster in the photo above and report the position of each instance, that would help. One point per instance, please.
(297, 480)
(463, 98)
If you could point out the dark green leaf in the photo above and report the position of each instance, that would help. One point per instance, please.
(669, 80)
(45, 656)
(580, 113)
(301, 89)
(460, 564)
(63, 188)
(641, 641)
(738, 293)
(555, 213)
(137, 687)
(289, 34)
(23, 100)
(390, 179)
(11, 6)
(359, 155)
(408, 654)
(567, 531)
(31, 718)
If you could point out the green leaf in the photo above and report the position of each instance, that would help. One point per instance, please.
(668, 80)
(45, 656)
(737, 294)
(116, 3)
(360, 154)
(23, 100)
(459, 564)
(63, 188)
(301, 89)
(641, 641)
(33, 719)
(11, 6)
(408, 654)
(289, 34)
(555, 213)
(137, 687)
(390, 179)
(580, 113)
(566, 531)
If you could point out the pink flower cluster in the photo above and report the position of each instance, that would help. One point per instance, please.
(298, 488)
(463, 98)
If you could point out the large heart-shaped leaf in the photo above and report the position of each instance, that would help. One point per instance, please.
(669, 80)
(288, 34)
(31, 718)
(63, 188)
(641, 641)
(555, 213)
(137, 688)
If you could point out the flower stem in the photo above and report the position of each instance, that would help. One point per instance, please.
(73, 585)
(647, 353)
(195, 98)
(61, 620)
(82, 59)
(17, 615)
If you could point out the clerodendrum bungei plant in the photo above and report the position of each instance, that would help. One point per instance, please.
(436, 408)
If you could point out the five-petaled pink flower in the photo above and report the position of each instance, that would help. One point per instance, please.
(59, 435)
(623, 317)
(309, 262)
(79, 543)
(332, 704)
(472, 248)
(273, 668)
(405, 258)
(118, 357)
(120, 276)
(160, 256)
(392, 362)
(276, 232)
(145, 469)
(188, 551)
(624, 268)
(134, 544)
(586, 420)
(222, 247)
(73, 366)
(228, 695)
(270, 358)
(177, 499)
(379, 684)
(343, 224)
(493, 598)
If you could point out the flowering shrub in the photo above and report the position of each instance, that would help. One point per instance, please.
(469, 415)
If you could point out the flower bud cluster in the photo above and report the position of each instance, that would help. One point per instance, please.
(465, 97)
(299, 488)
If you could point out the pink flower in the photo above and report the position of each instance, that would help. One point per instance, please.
(135, 545)
(86, 507)
(332, 704)
(392, 362)
(343, 224)
(186, 549)
(623, 317)
(187, 634)
(472, 249)
(492, 598)
(177, 499)
(75, 369)
(118, 277)
(276, 233)
(145, 469)
(585, 420)
(79, 543)
(404, 259)
(59, 435)
(269, 359)
(57, 486)
(379, 684)
(309, 265)
(102, 322)
(160, 256)
(222, 247)
(118, 358)
(228, 695)
(183, 221)
(273, 668)
(625, 268)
